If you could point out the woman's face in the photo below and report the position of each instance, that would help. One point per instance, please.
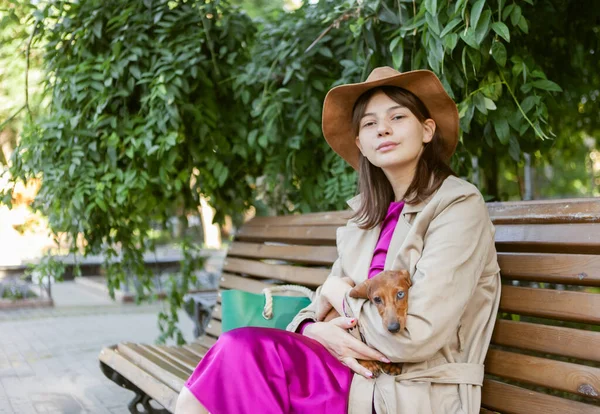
(390, 136)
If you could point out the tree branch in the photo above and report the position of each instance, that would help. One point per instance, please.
(27, 54)
(10, 118)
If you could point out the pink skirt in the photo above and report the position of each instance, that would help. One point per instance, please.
(270, 371)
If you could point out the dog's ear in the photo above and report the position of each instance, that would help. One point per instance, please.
(361, 291)
(406, 276)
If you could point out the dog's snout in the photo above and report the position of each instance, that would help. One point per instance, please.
(393, 327)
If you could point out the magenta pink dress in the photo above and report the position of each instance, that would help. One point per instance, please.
(272, 371)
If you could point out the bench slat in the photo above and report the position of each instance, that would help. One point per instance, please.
(170, 375)
(573, 269)
(316, 255)
(586, 210)
(229, 281)
(205, 342)
(553, 304)
(581, 210)
(180, 354)
(563, 376)
(328, 218)
(166, 357)
(292, 274)
(581, 238)
(510, 399)
(214, 328)
(315, 235)
(556, 340)
(143, 379)
(196, 349)
(187, 352)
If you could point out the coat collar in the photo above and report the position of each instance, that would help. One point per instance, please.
(354, 204)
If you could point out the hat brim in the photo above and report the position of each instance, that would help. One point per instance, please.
(339, 103)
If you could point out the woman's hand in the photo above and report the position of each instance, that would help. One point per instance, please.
(342, 345)
(330, 292)
(334, 290)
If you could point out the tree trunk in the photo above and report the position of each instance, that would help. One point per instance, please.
(491, 176)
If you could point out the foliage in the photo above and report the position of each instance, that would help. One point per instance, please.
(134, 129)
(15, 32)
(153, 103)
(14, 289)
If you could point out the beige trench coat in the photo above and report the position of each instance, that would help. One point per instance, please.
(447, 245)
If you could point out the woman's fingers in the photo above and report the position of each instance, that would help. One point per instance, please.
(353, 364)
(349, 281)
(361, 350)
(343, 322)
(358, 349)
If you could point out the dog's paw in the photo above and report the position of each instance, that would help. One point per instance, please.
(391, 369)
(372, 366)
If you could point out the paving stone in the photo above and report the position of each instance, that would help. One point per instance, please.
(49, 360)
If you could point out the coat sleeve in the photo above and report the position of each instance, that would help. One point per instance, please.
(309, 313)
(455, 247)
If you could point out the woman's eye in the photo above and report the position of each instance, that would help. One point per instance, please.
(368, 124)
(377, 299)
(400, 295)
(395, 118)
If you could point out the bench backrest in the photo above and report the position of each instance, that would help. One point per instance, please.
(545, 352)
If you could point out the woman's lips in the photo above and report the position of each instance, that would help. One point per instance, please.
(386, 146)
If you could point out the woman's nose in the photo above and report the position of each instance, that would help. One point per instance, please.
(384, 129)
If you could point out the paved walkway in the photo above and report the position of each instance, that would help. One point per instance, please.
(49, 357)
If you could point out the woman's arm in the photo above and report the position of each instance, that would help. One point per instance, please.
(310, 312)
(455, 250)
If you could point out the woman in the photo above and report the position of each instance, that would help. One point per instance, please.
(399, 131)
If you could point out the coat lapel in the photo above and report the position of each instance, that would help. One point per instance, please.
(397, 258)
(358, 246)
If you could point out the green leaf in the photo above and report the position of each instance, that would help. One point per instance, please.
(100, 203)
(515, 16)
(476, 12)
(455, 22)
(450, 41)
(469, 38)
(489, 104)
(263, 141)
(394, 43)
(432, 23)
(483, 26)
(514, 149)
(499, 53)
(252, 137)
(502, 130)
(502, 30)
(546, 85)
(318, 85)
(97, 28)
(507, 11)
(479, 101)
(398, 56)
(325, 51)
(528, 103)
(523, 25)
(135, 71)
(431, 7)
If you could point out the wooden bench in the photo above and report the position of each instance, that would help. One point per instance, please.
(545, 353)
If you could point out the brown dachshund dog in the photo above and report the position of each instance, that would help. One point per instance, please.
(388, 291)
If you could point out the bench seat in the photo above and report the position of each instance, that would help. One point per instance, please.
(545, 352)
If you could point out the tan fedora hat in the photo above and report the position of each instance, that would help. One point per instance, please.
(339, 103)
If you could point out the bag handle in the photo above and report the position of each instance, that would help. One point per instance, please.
(268, 292)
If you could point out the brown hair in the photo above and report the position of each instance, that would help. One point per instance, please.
(432, 168)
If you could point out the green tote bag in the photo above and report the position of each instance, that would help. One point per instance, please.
(240, 308)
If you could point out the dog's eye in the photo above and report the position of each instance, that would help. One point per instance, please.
(377, 299)
(401, 295)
